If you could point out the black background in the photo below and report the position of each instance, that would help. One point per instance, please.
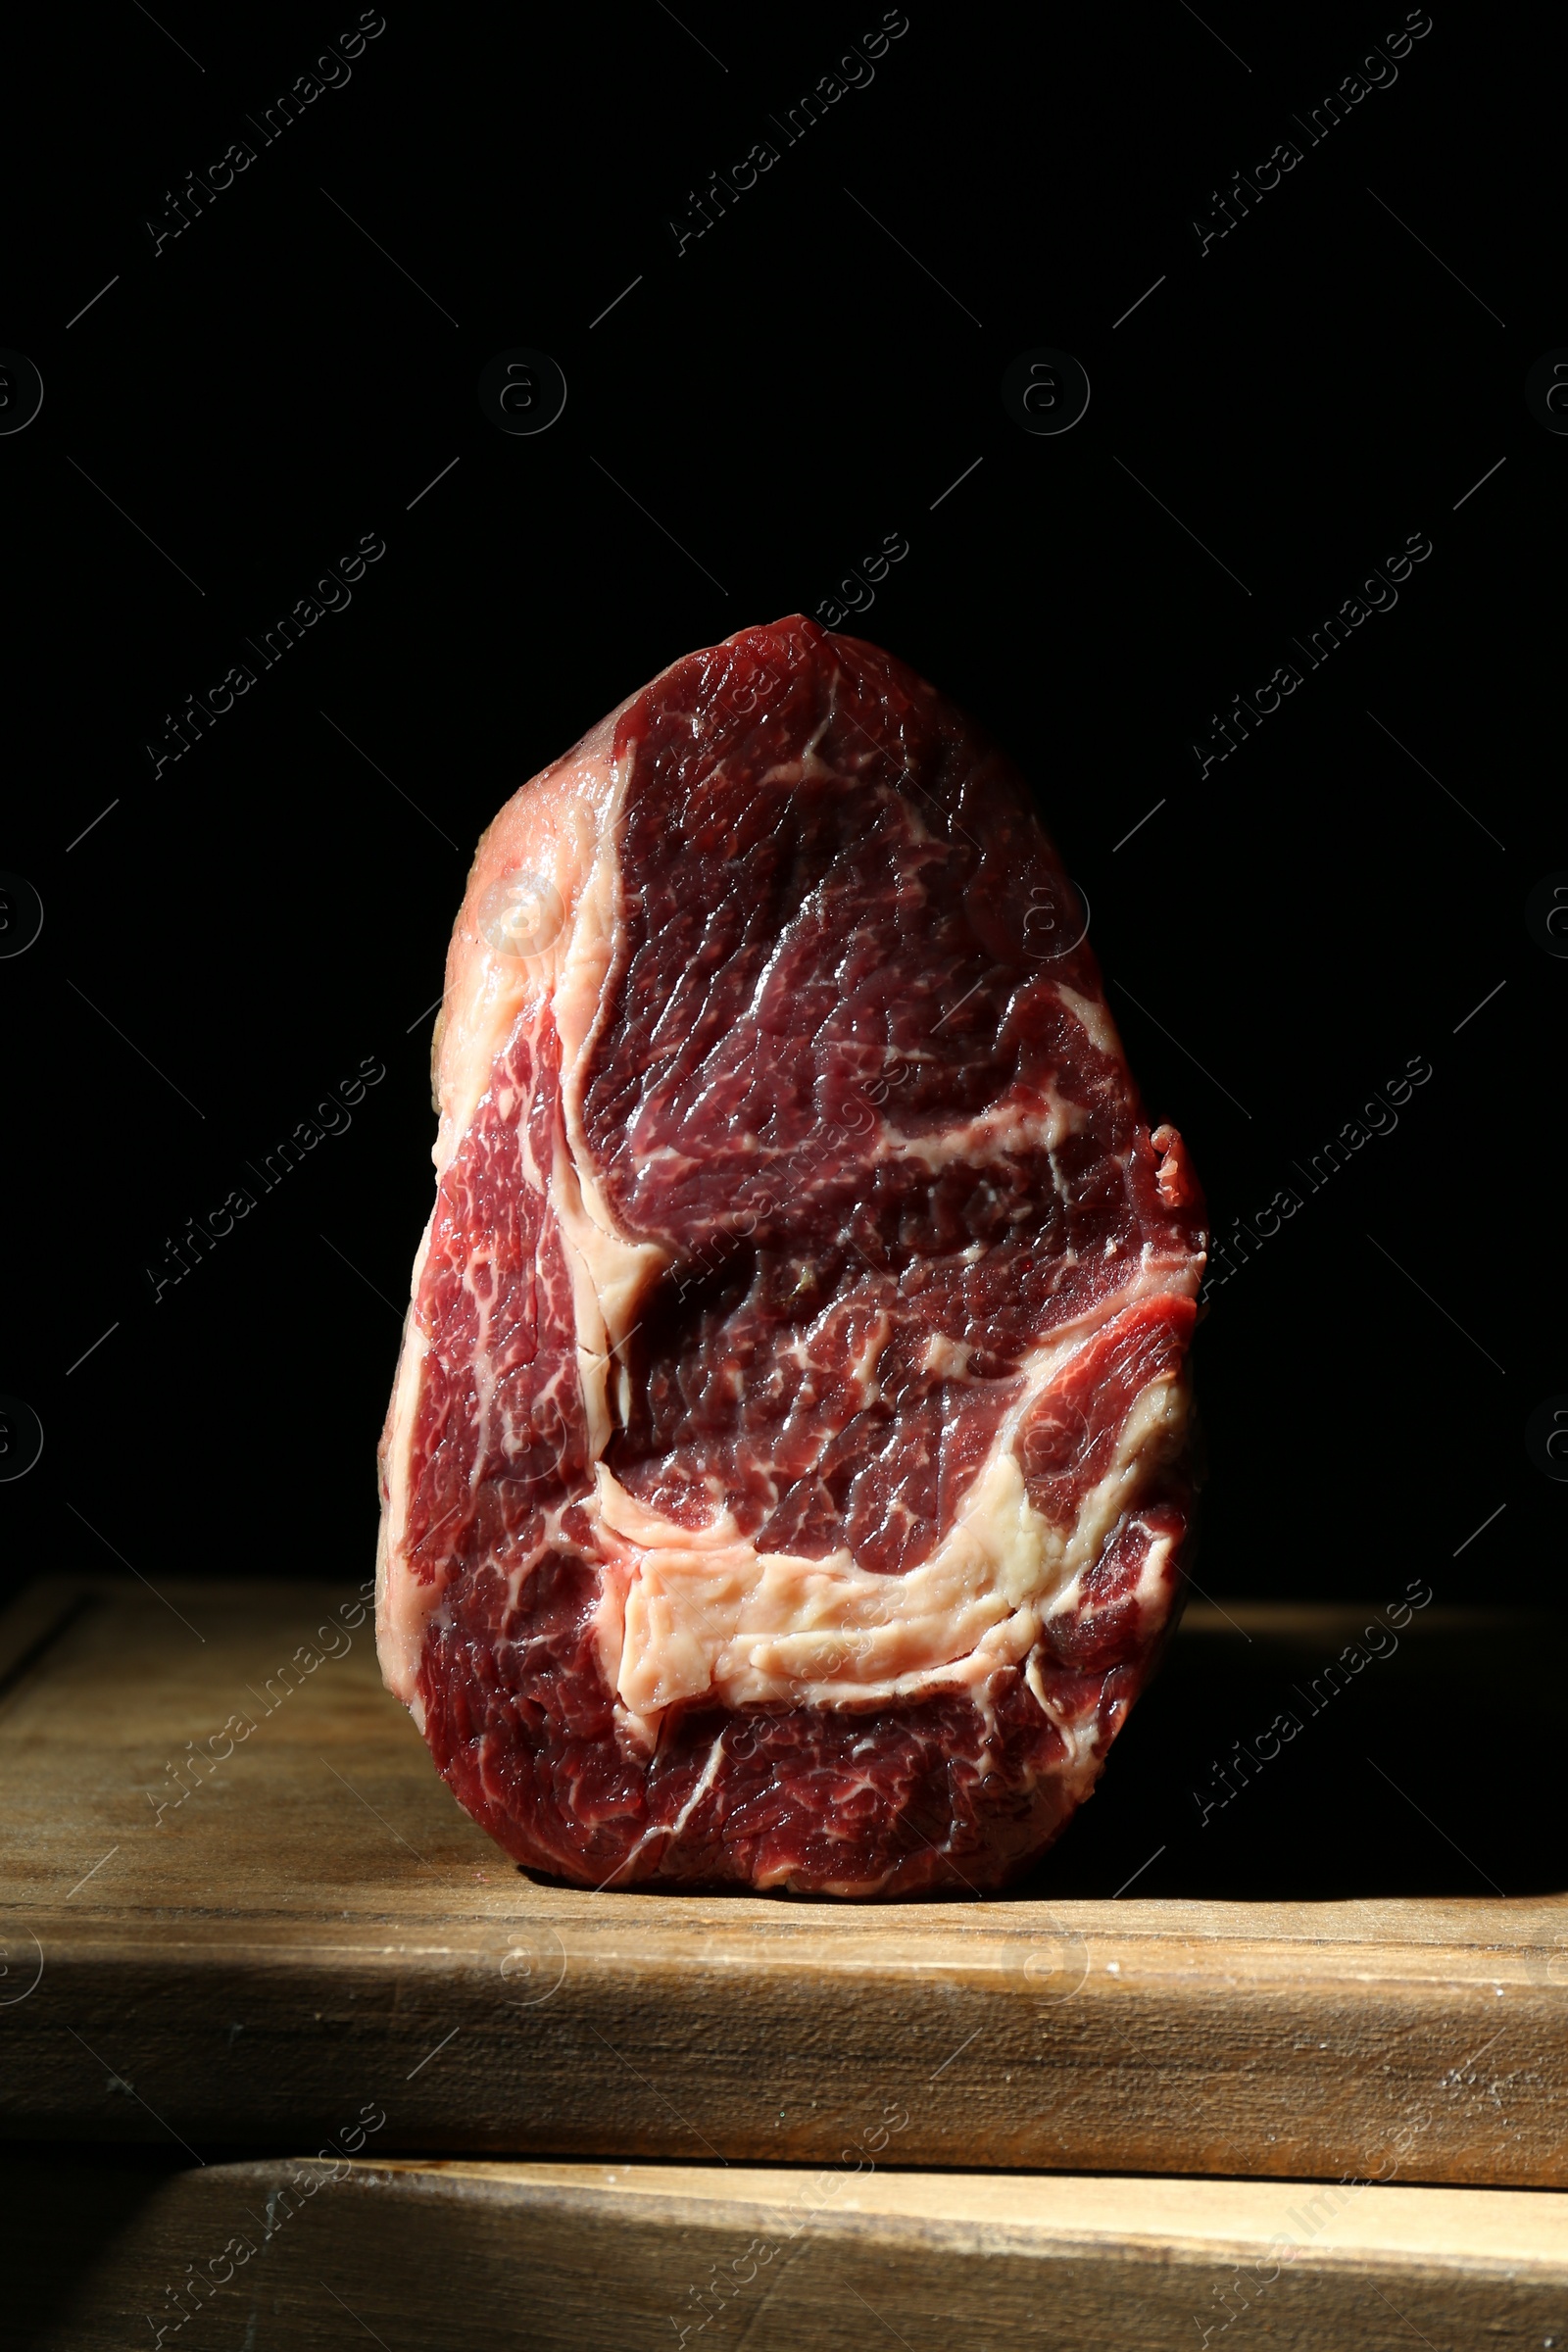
(237, 933)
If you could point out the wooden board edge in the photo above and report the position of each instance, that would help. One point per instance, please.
(315, 2251)
(1427, 2228)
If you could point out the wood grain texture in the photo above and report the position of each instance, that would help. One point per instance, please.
(285, 2255)
(317, 1926)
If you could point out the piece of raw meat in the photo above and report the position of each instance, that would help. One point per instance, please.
(787, 1478)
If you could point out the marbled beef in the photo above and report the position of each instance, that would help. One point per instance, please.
(787, 1478)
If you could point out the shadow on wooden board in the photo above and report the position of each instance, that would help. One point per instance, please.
(1312, 1754)
(66, 2212)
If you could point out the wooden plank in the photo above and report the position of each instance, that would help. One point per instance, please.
(317, 1925)
(284, 2254)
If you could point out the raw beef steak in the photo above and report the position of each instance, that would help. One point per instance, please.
(786, 1481)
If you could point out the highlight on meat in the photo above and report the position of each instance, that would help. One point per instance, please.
(787, 1482)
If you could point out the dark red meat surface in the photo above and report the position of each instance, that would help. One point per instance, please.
(851, 1085)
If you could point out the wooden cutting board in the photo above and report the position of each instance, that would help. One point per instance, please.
(282, 2256)
(316, 1934)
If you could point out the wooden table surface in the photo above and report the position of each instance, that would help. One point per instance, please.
(317, 1933)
